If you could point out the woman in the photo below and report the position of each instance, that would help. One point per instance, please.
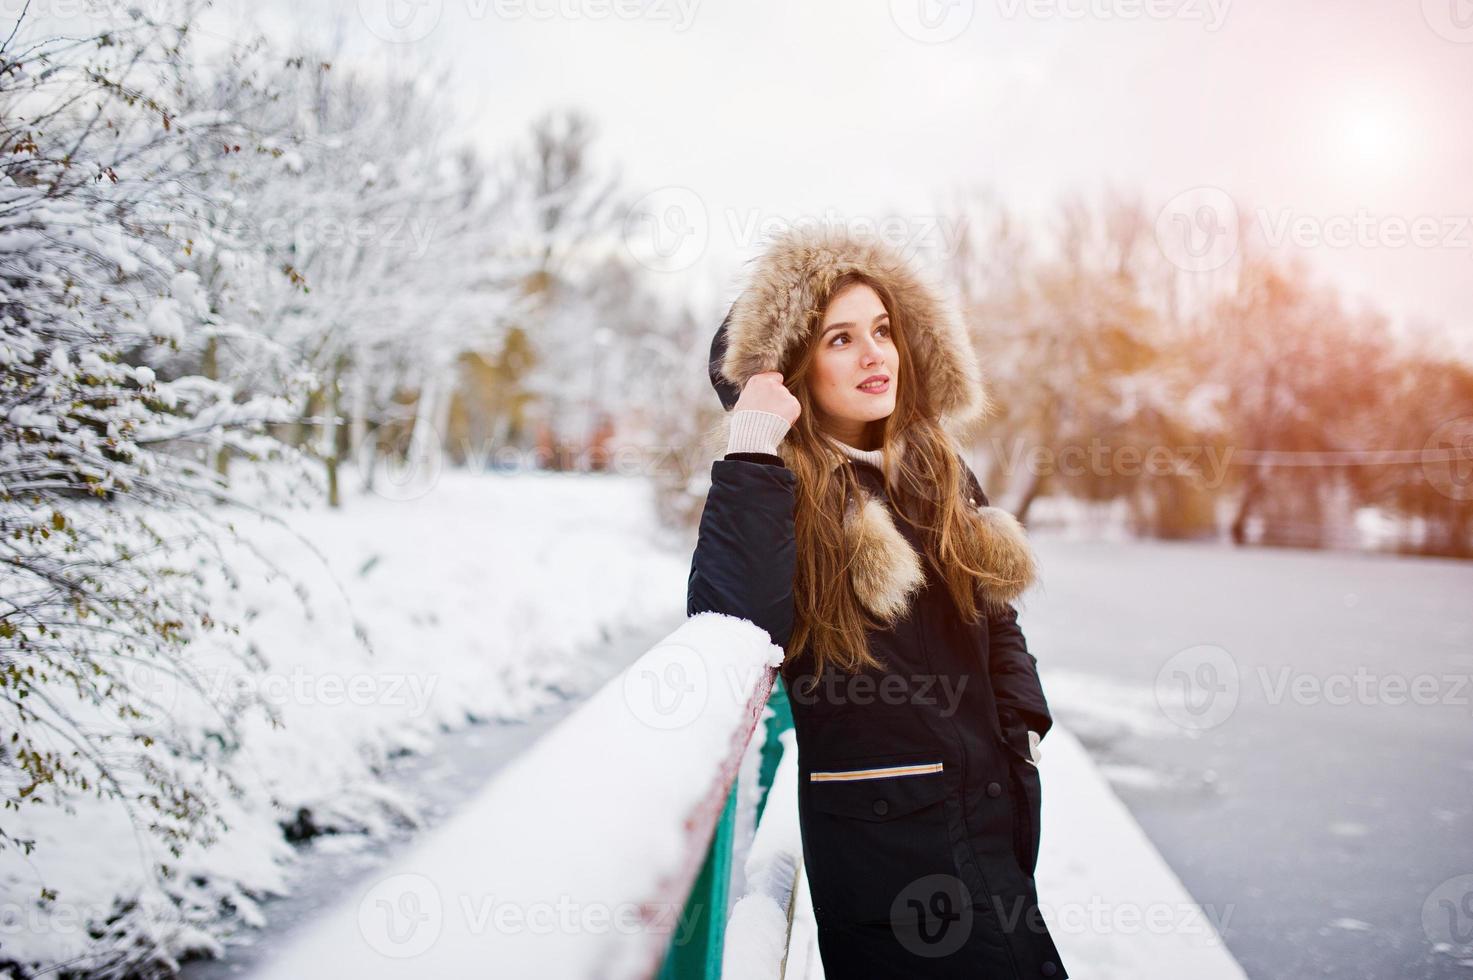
(843, 521)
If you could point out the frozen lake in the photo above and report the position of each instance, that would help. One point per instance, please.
(1323, 802)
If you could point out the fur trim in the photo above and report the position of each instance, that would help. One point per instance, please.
(886, 571)
(768, 321)
(1008, 555)
(884, 568)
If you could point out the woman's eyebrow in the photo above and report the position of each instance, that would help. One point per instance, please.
(850, 324)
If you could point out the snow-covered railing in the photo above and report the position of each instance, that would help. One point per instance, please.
(760, 930)
(603, 851)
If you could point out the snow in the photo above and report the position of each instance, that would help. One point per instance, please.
(563, 866)
(757, 930)
(165, 320)
(1115, 908)
(477, 599)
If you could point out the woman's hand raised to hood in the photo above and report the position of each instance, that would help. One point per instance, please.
(766, 392)
(760, 419)
(746, 549)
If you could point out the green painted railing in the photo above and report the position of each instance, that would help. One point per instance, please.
(695, 952)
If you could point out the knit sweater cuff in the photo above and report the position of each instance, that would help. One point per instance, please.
(754, 431)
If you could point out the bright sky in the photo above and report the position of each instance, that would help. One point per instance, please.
(1350, 123)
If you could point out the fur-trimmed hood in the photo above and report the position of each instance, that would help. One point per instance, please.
(768, 322)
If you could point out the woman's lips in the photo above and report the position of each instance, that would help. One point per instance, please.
(876, 388)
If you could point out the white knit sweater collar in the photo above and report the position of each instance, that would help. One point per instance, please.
(873, 457)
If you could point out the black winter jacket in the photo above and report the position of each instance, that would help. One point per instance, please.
(919, 806)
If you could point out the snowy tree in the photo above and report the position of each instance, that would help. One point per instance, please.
(108, 494)
(566, 216)
(394, 238)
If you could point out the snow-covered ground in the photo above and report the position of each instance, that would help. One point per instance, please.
(483, 598)
(577, 859)
(479, 599)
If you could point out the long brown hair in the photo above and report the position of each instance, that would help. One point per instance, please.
(924, 481)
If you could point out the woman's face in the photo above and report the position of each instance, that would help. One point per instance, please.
(854, 346)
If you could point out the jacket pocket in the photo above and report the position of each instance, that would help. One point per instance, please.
(878, 792)
(875, 836)
(1027, 812)
(876, 772)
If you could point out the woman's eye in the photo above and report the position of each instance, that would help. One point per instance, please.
(883, 329)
